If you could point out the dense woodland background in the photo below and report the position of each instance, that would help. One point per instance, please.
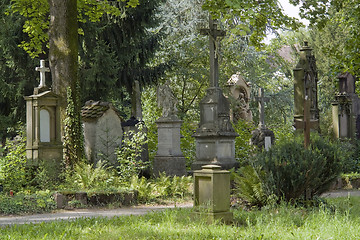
(159, 40)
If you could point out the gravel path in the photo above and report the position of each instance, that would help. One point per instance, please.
(85, 213)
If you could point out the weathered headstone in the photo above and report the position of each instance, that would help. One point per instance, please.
(215, 137)
(102, 131)
(169, 158)
(239, 96)
(212, 193)
(43, 134)
(346, 109)
(305, 92)
(262, 137)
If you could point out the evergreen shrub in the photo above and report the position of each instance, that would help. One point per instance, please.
(293, 172)
(289, 172)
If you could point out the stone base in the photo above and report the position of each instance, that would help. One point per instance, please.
(171, 165)
(211, 217)
(197, 165)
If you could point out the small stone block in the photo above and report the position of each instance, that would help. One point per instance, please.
(60, 200)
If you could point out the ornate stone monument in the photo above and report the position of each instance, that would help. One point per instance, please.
(346, 109)
(43, 134)
(215, 137)
(169, 158)
(239, 96)
(262, 137)
(305, 93)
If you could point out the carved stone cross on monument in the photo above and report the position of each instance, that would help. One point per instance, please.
(262, 99)
(42, 69)
(213, 33)
(307, 123)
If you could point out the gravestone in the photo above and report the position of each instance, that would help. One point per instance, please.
(346, 108)
(43, 134)
(212, 193)
(262, 137)
(215, 137)
(305, 93)
(239, 96)
(102, 131)
(169, 158)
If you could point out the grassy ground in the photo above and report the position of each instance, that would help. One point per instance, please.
(337, 220)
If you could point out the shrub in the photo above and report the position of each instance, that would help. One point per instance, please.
(291, 172)
(129, 156)
(13, 173)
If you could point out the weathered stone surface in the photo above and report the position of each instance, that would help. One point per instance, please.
(60, 200)
(169, 158)
(215, 137)
(259, 136)
(102, 131)
(212, 193)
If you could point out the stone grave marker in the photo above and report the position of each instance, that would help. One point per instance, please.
(102, 131)
(262, 137)
(239, 96)
(215, 137)
(169, 158)
(306, 112)
(346, 108)
(43, 134)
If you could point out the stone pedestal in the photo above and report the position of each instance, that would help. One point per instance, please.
(43, 134)
(215, 137)
(212, 193)
(169, 158)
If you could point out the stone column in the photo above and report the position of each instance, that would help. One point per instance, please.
(169, 158)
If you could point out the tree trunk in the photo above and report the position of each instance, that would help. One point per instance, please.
(63, 55)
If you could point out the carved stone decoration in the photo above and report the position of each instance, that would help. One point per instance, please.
(166, 100)
(239, 96)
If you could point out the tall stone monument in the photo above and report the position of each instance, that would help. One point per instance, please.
(169, 158)
(346, 109)
(43, 134)
(305, 91)
(215, 137)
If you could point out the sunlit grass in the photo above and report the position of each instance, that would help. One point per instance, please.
(339, 219)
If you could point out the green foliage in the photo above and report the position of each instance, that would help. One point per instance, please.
(251, 17)
(13, 172)
(292, 172)
(86, 177)
(73, 134)
(161, 188)
(129, 156)
(37, 15)
(25, 202)
(350, 155)
(249, 186)
(243, 148)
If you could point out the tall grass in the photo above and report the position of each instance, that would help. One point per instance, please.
(281, 222)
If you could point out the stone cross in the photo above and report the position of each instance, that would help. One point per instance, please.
(42, 69)
(213, 33)
(307, 123)
(262, 99)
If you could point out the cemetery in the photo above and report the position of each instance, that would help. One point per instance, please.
(131, 103)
